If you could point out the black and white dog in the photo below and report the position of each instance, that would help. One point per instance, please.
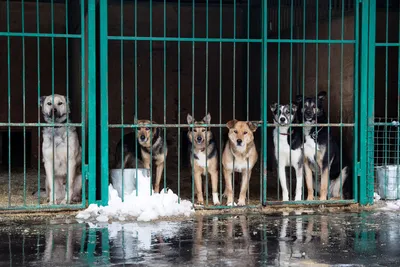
(287, 143)
(321, 152)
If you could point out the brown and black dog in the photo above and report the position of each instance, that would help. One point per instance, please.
(240, 155)
(152, 147)
(203, 149)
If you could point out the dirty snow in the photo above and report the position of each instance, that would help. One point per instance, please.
(391, 205)
(142, 207)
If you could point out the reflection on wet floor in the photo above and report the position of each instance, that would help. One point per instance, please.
(366, 239)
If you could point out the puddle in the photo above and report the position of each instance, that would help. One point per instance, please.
(356, 239)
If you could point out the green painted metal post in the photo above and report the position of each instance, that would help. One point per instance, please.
(104, 99)
(364, 100)
(264, 103)
(371, 102)
(92, 100)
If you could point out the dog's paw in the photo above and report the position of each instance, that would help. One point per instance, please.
(216, 199)
(241, 202)
(230, 204)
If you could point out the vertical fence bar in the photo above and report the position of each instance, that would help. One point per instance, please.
(364, 101)
(398, 112)
(329, 82)
(193, 75)
(206, 104)
(179, 101)
(67, 100)
(165, 94)
(9, 100)
(151, 93)
(220, 100)
(136, 94)
(91, 97)
(104, 99)
(24, 93)
(371, 101)
(38, 94)
(264, 90)
(356, 98)
(121, 4)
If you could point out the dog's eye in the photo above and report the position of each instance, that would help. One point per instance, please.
(203, 130)
(195, 130)
(245, 133)
(49, 103)
(147, 129)
(235, 131)
(60, 103)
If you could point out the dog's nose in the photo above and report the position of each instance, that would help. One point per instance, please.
(199, 138)
(282, 119)
(142, 137)
(54, 110)
(239, 141)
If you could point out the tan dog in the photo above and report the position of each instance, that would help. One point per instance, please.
(205, 157)
(240, 155)
(152, 144)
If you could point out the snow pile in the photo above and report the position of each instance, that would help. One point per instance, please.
(392, 205)
(144, 207)
(376, 196)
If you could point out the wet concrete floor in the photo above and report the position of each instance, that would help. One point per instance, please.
(342, 239)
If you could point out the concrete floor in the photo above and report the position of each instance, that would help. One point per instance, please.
(351, 239)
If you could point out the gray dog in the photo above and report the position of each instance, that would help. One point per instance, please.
(66, 159)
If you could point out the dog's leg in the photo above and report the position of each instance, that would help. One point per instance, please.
(228, 186)
(214, 186)
(159, 171)
(71, 179)
(282, 179)
(199, 189)
(48, 166)
(243, 188)
(324, 184)
(299, 182)
(309, 180)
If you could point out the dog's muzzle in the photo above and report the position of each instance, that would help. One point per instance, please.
(239, 142)
(142, 138)
(199, 139)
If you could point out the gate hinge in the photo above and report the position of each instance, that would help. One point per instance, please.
(85, 171)
(358, 168)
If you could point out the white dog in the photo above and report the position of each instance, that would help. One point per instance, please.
(61, 152)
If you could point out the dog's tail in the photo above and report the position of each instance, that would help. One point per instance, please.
(336, 185)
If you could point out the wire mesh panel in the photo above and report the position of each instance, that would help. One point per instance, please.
(384, 102)
(43, 104)
(186, 89)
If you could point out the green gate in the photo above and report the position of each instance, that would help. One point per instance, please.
(160, 60)
(381, 100)
(46, 47)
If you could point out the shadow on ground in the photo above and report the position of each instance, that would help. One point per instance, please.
(366, 239)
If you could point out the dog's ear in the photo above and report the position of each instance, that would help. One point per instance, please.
(321, 96)
(190, 119)
(299, 99)
(42, 98)
(252, 125)
(207, 118)
(230, 124)
(273, 106)
(294, 107)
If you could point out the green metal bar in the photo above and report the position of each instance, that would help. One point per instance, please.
(136, 92)
(40, 35)
(364, 101)
(121, 4)
(387, 45)
(371, 102)
(24, 94)
(104, 99)
(264, 90)
(34, 124)
(220, 99)
(193, 72)
(92, 100)
(151, 92)
(316, 80)
(9, 101)
(165, 93)
(386, 94)
(226, 40)
(329, 83)
(52, 93)
(278, 186)
(171, 125)
(398, 116)
(341, 100)
(179, 102)
(38, 95)
(206, 104)
(356, 98)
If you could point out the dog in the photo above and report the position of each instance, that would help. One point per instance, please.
(288, 146)
(240, 155)
(61, 152)
(152, 147)
(316, 155)
(203, 151)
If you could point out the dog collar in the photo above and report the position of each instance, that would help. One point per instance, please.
(314, 135)
(287, 133)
